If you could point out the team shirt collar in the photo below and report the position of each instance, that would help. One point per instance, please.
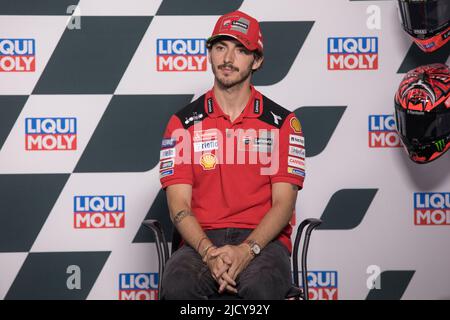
(253, 109)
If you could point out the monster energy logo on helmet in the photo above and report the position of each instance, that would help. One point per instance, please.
(440, 144)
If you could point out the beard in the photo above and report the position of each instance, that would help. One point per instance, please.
(227, 82)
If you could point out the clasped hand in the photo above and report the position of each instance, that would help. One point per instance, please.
(226, 263)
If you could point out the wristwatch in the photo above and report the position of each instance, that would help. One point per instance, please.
(255, 249)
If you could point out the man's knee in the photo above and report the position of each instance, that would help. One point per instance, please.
(262, 288)
(178, 286)
(182, 278)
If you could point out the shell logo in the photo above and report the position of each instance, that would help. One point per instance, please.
(295, 124)
(208, 161)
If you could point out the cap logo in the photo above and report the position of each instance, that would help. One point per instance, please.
(240, 25)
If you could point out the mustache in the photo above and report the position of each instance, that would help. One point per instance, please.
(228, 65)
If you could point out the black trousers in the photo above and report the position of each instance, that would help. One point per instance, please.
(267, 277)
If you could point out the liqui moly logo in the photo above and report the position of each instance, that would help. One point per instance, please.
(322, 285)
(138, 286)
(382, 132)
(181, 55)
(50, 134)
(99, 212)
(353, 53)
(17, 55)
(431, 208)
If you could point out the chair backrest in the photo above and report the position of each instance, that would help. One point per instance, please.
(176, 240)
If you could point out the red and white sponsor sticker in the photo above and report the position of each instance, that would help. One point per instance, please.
(167, 153)
(296, 162)
(297, 152)
(166, 164)
(297, 140)
(202, 135)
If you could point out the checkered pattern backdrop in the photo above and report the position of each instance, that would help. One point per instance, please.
(87, 87)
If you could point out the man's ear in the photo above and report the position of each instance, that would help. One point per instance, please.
(257, 63)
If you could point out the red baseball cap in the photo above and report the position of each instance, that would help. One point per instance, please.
(240, 26)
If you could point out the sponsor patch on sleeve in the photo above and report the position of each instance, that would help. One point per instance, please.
(296, 140)
(166, 164)
(297, 152)
(165, 173)
(296, 162)
(167, 153)
(168, 143)
(296, 171)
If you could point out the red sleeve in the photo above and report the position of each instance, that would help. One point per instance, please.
(175, 160)
(291, 153)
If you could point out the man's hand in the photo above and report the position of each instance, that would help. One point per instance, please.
(219, 266)
(239, 258)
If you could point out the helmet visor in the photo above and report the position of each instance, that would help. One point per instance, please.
(422, 127)
(424, 17)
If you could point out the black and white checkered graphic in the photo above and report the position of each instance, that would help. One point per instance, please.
(95, 60)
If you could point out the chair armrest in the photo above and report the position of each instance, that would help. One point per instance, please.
(161, 247)
(310, 224)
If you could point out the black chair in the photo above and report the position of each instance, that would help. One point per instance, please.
(295, 292)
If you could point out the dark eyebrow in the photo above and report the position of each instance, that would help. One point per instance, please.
(238, 44)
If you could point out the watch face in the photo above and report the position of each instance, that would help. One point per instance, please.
(256, 249)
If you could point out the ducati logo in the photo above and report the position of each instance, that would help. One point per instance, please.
(275, 118)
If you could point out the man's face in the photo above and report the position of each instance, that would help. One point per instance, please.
(231, 62)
